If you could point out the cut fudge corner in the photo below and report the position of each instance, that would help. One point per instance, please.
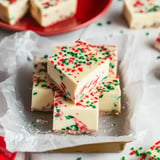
(79, 118)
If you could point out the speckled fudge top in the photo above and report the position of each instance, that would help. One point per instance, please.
(76, 61)
(144, 6)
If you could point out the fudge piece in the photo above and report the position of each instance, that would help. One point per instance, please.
(78, 118)
(40, 64)
(154, 152)
(108, 51)
(77, 70)
(42, 93)
(142, 13)
(157, 43)
(47, 12)
(110, 96)
(13, 10)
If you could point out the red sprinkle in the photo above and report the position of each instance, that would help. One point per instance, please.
(138, 4)
(158, 40)
(133, 152)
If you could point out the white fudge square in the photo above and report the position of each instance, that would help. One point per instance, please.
(157, 43)
(110, 96)
(142, 13)
(77, 70)
(13, 10)
(47, 12)
(78, 118)
(42, 93)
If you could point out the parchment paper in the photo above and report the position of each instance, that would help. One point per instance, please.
(32, 131)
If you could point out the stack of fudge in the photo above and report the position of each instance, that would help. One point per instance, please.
(77, 83)
(45, 12)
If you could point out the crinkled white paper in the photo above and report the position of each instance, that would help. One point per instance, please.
(32, 131)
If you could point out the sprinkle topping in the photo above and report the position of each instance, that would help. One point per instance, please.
(146, 6)
(76, 61)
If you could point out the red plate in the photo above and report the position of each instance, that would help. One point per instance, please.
(87, 12)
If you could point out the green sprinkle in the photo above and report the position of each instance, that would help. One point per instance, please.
(36, 84)
(82, 95)
(104, 78)
(154, 9)
(69, 117)
(140, 148)
(79, 158)
(45, 7)
(99, 24)
(111, 65)
(28, 59)
(75, 127)
(142, 154)
(119, 97)
(121, 31)
(101, 96)
(45, 56)
(115, 105)
(93, 107)
(132, 148)
(158, 57)
(35, 93)
(109, 22)
(147, 33)
(123, 158)
(137, 153)
(56, 116)
(44, 85)
(61, 77)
